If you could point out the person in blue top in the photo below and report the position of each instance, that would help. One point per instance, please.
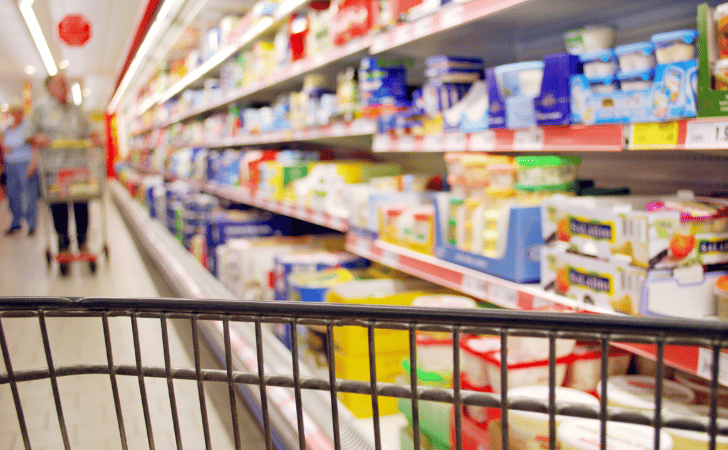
(22, 177)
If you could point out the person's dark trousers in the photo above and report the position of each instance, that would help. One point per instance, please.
(60, 221)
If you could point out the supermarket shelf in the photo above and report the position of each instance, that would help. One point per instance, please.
(288, 75)
(491, 289)
(190, 280)
(263, 26)
(242, 196)
(360, 127)
(598, 138)
(517, 296)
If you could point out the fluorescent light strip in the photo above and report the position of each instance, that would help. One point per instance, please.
(26, 9)
(76, 92)
(154, 29)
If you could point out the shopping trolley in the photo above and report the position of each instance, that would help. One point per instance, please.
(73, 171)
(661, 335)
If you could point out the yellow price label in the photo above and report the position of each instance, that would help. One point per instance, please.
(654, 136)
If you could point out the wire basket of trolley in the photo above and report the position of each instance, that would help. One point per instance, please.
(72, 173)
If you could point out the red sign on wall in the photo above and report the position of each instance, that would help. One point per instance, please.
(74, 30)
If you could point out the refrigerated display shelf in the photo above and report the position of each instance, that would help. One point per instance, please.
(290, 74)
(359, 127)
(189, 279)
(264, 25)
(509, 295)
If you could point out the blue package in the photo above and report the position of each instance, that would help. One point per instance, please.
(382, 85)
(671, 96)
(454, 62)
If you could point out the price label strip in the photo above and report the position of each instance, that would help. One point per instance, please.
(451, 17)
(503, 296)
(389, 258)
(654, 136)
(707, 135)
(432, 143)
(423, 27)
(483, 141)
(705, 365)
(474, 286)
(381, 143)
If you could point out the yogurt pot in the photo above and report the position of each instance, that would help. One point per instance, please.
(675, 46)
(434, 349)
(599, 64)
(590, 38)
(477, 413)
(636, 81)
(473, 352)
(605, 86)
(638, 392)
(584, 434)
(637, 57)
(701, 387)
(720, 75)
(585, 372)
(530, 430)
(522, 78)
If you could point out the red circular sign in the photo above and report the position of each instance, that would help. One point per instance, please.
(74, 30)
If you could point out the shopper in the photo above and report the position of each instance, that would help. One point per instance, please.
(21, 176)
(55, 118)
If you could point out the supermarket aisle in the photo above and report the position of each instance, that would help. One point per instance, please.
(87, 401)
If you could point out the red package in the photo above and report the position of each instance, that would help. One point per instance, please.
(353, 18)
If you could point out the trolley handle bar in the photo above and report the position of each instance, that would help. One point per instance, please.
(594, 323)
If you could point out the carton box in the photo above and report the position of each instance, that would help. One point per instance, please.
(644, 230)
(616, 285)
(672, 96)
(520, 261)
(711, 103)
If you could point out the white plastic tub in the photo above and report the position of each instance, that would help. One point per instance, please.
(636, 81)
(530, 430)
(638, 392)
(474, 351)
(701, 388)
(675, 46)
(585, 371)
(584, 434)
(637, 57)
(599, 64)
(522, 78)
(523, 373)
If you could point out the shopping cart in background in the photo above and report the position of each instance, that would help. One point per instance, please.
(236, 328)
(73, 171)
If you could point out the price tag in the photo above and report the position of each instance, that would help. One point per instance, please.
(482, 141)
(338, 129)
(379, 43)
(406, 144)
(650, 136)
(423, 27)
(454, 142)
(707, 135)
(705, 365)
(528, 140)
(381, 143)
(363, 247)
(319, 60)
(451, 17)
(503, 296)
(474, 286)
(402, 34)
(541, 303)
(432, 143)
(389, 258)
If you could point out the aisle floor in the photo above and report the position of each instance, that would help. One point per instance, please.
(87, 400)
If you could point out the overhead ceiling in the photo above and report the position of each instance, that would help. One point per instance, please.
(95, 65)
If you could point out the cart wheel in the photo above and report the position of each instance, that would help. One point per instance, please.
(92, 266)
(64, 268)
(106, 251)
(49, 257)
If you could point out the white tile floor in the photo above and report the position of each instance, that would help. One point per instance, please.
(87, 400)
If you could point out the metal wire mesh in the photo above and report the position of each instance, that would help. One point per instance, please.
(603, 330)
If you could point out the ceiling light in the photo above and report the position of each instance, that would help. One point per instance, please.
(86, 92)
(76, 92)
(160, 23)
(4, 107)
(30, 70)
(26, 9)
(63, 64)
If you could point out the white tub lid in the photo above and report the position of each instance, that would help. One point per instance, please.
(481, 345)
(445, 301)
(635, 391)
(583, 434)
